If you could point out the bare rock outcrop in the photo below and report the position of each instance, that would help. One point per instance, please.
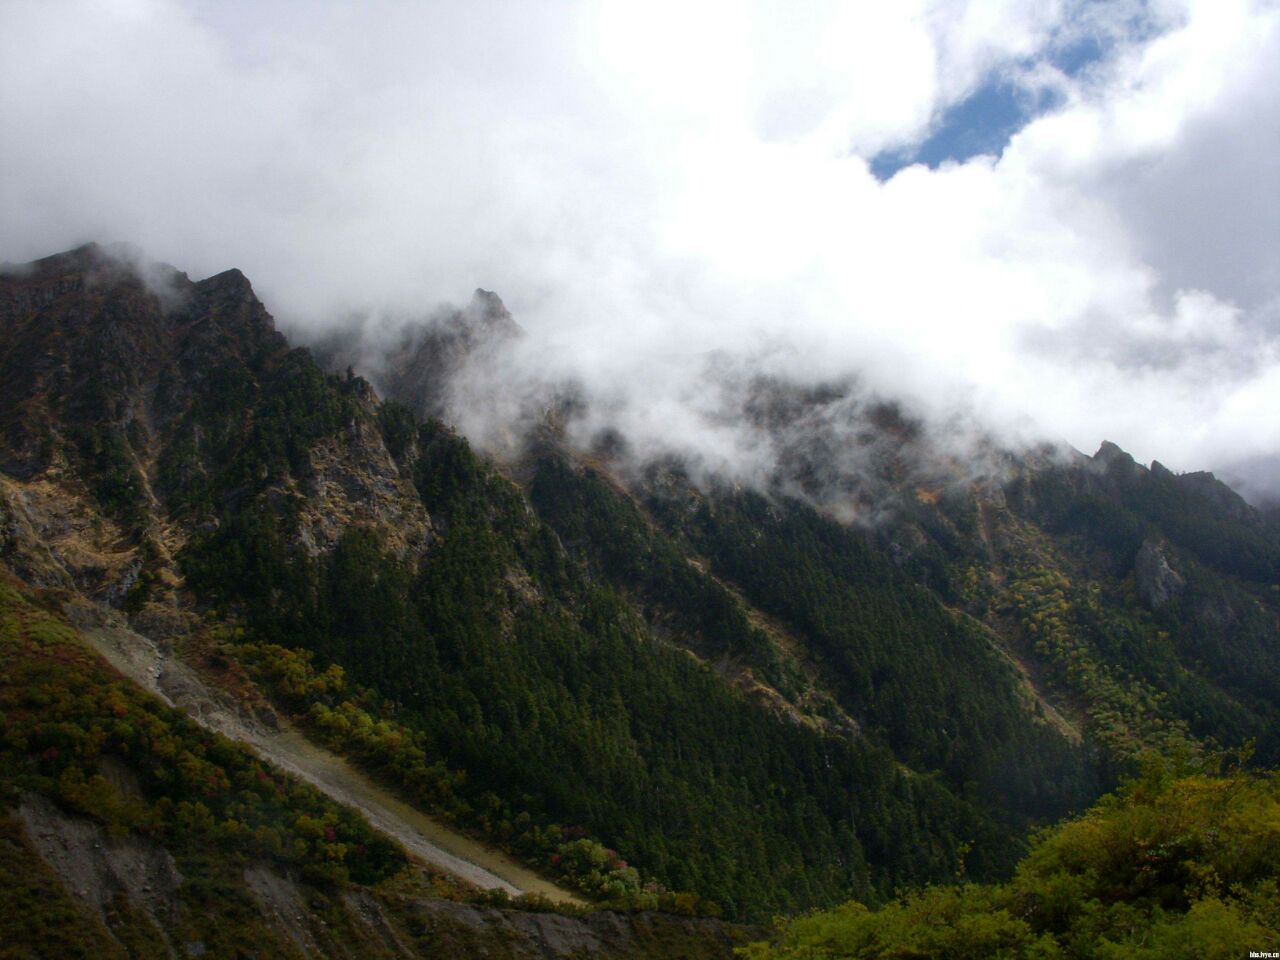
(1158, 582)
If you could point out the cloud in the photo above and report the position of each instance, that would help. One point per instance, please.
(648, 185)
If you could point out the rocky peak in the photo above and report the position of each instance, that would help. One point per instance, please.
(417, 363)
(92, 329)
(149, 412)
(1113, 460)
(224, 319)
(77, 260)
(487, 311)
(232, 280)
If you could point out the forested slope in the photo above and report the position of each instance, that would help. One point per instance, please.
(671, 694)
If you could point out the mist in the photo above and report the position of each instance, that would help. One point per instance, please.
(677, 200)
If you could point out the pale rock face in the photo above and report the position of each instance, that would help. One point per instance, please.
(90, 341)
(355, 480)
(51, 538)
(1158, 583)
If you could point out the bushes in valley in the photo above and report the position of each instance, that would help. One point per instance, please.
(1168, 867)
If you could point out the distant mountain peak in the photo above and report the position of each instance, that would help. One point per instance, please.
(232, 280)
(1109, 453)
(81, 257)
(489, 316)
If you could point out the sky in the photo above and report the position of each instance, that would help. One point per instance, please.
(1060, 218)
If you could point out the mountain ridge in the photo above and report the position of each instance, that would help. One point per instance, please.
(568, 645)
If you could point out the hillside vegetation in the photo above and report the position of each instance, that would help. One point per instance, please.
(670, 694)
(1168, 867)
(127, 830)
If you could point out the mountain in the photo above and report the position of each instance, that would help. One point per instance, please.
(422, 360)
(663, 691)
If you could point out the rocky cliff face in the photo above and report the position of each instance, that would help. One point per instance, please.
(119, 389)
(1157, 581)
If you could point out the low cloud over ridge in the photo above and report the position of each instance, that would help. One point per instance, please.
(650, 185)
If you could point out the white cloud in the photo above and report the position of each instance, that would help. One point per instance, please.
(646, 183)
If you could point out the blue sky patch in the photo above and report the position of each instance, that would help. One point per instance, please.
(986, 120)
